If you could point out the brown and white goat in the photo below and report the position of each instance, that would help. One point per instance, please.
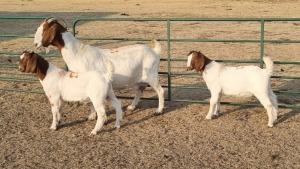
(135, 66)
(58, 84)
(241, 81)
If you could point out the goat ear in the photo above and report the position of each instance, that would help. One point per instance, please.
(199, 62)
(49, 35)
(32, 64)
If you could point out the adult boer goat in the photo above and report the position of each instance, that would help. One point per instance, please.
(69, 86)
(242, 81)
(136, 66)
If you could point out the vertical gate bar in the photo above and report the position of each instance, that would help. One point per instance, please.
(169, 60)
(262, 41)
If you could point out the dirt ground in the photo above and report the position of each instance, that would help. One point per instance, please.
(180, 137)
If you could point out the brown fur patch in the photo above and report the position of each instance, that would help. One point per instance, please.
(52, 34)
(33, 63)
(199, 61)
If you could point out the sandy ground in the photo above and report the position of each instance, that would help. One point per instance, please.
(180, 137)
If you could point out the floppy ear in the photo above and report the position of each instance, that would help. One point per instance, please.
(199, 62)
(49, 35)
(32, 64)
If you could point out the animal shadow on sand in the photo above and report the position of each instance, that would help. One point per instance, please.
(169, 106)
(287, 99)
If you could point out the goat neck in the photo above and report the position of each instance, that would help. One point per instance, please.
(206, 61)
(58, 40)
(41, 68)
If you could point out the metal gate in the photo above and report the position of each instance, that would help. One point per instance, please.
(169, 58)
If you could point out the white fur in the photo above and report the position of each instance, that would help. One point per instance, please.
(242, 81)
(134, 65)
(189, 60)
(87, 86)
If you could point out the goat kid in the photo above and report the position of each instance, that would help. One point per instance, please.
(136, 66)
(69, 86)
(241, 81)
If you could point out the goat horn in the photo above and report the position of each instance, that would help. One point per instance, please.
(51, 19)
(46, 20)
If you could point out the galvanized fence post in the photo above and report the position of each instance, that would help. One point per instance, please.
(169, 59)
(262, 41)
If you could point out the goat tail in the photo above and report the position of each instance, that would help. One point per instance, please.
(269, 65)
(155, 46)
(110, 70)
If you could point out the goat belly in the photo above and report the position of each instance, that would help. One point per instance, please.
(73, 96)
(238, 87)
(123, 81)
(237, 93)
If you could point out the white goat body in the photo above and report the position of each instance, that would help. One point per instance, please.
(91, 86)
(242, 81)
(132, 63)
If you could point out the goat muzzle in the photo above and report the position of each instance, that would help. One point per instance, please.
(21, 69)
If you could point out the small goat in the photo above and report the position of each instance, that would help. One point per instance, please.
(243, 81)
(70, 86)
(136, 66)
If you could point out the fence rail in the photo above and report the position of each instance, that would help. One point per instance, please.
(170, 59)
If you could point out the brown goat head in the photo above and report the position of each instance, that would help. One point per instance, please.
(50, 33)
(28, 62)
(33, 63)
(197, 61)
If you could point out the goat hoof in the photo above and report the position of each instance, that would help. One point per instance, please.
(53, 127)
(105, 122)
(93, 132)
(118, 124)
(270, 125)
(217, 114)
(208, 117)
(157, 113)
(130, 107)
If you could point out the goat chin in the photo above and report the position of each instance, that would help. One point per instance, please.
(46, 49)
